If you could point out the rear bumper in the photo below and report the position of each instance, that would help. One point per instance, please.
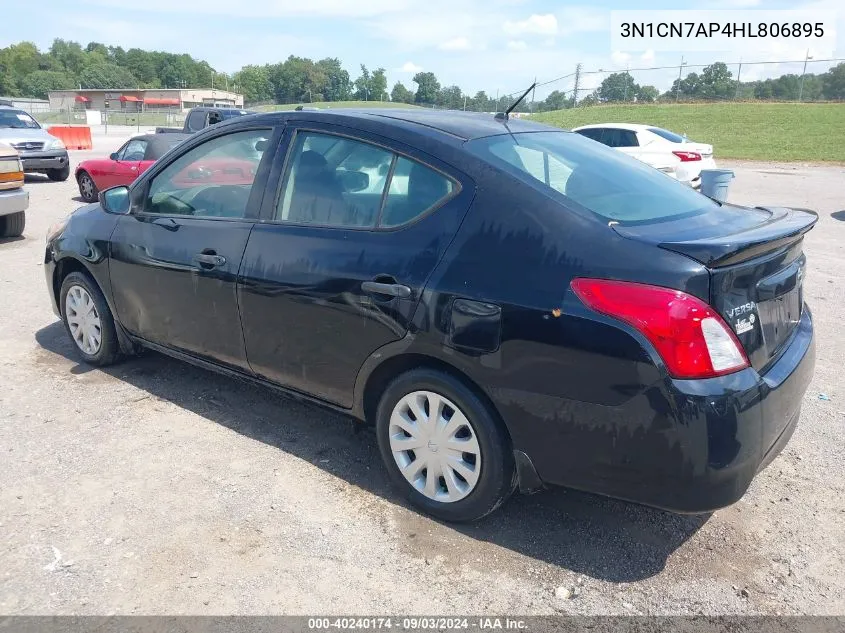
(13, 201)
(51, 159)
(688, 446)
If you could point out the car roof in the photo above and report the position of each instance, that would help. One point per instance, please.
(160, 143)
(458, 125)
(635, 127)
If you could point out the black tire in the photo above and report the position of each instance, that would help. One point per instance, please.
(497, 479)
(59, 175)
(12, 225)
(83, 179)
(109, 350)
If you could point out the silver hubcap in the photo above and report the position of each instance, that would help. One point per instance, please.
(87, 186)
(435, 446)
(83, 320)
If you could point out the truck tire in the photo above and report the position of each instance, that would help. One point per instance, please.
(12, 225)
(59, 175)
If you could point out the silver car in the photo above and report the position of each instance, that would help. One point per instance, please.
(39, 151)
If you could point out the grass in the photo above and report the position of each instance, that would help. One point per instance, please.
(754, 131)
(336, 104)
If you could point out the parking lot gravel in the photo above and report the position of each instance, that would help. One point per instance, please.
(155, 487)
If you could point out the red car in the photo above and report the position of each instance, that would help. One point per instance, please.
(125, 165)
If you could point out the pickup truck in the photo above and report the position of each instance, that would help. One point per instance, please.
(13, 199)
(200, 118)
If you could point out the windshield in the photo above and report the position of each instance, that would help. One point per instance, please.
(17, 119)
(598, 178)
(669, 136)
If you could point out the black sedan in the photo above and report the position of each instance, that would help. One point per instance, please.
(511, 305)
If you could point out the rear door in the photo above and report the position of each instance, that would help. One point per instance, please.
(337, 268)
(175, 258)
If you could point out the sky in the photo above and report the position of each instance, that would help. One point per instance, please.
(491, 45)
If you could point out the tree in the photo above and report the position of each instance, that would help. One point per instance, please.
(362, 85)
(400, 94)
(107, 76)
(618, 87)
(451, 98)
(427, 88)
(337, 86)
(70, 55)
(647, 94)
(39, 83)
(378, 85)
(716, 82)
(555, 101)
(833, 82)
(254, 83)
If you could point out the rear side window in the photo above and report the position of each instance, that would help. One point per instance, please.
(336, 181)
(593, 133)
(669, 136)
(614, 137)
(611, 184)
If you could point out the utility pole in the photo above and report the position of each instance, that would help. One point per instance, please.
(627, 78)
(738, 73)
(803, 72)
(497, 99)
(465, 103)
(577, 83)
(680, 70)
(533, 94)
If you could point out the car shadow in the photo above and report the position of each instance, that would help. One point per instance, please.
(79, 199)
(595, 536)
(9, 240)
(838, 215)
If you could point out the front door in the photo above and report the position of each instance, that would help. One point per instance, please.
(338, 266)
(124, 170)
(175, 258)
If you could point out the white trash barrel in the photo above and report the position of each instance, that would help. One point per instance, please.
(716, 182)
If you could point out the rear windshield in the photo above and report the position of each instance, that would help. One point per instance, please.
(598, 178)
(669, 136)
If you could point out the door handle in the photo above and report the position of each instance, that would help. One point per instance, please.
(208, 261)
(390, 290)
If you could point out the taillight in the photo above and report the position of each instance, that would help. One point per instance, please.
(690, 337)
(687, 157)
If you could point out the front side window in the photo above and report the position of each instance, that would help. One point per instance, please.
(611, 184)
(211, 180)
(134, 150)
(341, 182)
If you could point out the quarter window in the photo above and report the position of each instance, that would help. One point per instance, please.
(340, 182)
(211, 180)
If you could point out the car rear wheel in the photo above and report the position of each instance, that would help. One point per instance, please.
(443, 447)
(88, 320)
(87, 189)
(59, 175)
(12, 225)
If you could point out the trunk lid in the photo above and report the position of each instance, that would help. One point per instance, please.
(756, 262)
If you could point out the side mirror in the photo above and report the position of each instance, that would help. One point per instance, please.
(353, 181)
(115, 200)
(113, 156)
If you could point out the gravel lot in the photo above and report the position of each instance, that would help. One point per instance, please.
(154, 487)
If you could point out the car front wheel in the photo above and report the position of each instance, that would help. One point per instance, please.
(444, 448)
(12, 225)
(88, 320)
(87, 188)
(59, 175)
